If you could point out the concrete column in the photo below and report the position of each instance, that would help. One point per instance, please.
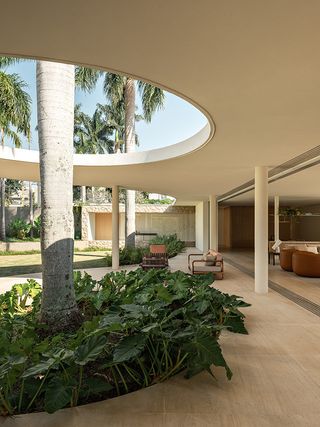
(115, 227)
(261, 229)
(276, 218)
(213, 222)
(202, 226)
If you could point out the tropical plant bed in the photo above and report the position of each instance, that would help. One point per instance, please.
(139, 328)
(134, 255)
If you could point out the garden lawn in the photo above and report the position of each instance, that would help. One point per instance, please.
(11, 265)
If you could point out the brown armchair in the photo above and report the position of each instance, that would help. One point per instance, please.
(199, 264)
(157, 258)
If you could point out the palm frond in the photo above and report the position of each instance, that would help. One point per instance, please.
(15, 103)
(14, 136)
(86, 78)
(152, 99)
(6, 61)
(114, 87)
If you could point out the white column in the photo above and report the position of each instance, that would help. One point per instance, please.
(202, 226)
(206, 230)
(276, 218)
(261, 229)
(115, 227)
(213, 222)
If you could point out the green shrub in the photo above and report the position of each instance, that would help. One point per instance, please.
(173, 244)
(37, 227)
(128, 256)
(19, 228)
(139, 328)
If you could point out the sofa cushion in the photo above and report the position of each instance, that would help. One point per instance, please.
(312, 249)
(202, 267)
(300, 247)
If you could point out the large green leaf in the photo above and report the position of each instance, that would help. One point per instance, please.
(205, 351)
(57, 395)
(97, 385)
(4, 369)
(16, 359)
(39, 368)
(163, 294)
(90, 350)
(235, 324)
(134, 311)
(129, 347)
(59, 354)
(110, 319)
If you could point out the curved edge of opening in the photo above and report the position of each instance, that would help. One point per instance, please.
(179, 149)
(182, 148)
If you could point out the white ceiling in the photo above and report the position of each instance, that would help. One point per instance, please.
(251, 66)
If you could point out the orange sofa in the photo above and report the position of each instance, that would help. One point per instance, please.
(306, 264)
(286, 258)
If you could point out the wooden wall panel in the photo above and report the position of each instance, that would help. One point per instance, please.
(103, 226)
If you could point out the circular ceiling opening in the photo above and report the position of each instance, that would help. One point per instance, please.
(175, 127)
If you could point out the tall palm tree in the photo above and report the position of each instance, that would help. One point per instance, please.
(122, 89)
(114, 117)
(55, 98)
(91, 134)
(15, 110)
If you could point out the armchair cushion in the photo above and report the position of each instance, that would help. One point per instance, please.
(210, 262)
(210, 259)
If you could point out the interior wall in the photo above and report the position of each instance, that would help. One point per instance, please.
(307, 227)
(242, 227)
(236, 226)
(224, 227)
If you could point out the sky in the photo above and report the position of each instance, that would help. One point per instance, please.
(177, 121)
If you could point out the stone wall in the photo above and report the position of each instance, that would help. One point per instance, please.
(160, 219)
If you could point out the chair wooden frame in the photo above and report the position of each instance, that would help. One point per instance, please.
(157, 258)
(193, 268)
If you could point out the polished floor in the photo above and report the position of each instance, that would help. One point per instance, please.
(306, 287)
(276, 378)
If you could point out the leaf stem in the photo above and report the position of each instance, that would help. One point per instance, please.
(38, 391)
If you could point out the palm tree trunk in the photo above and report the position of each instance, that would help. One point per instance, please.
(31, 218)
(55, 93)
(3, 209)
(130, 143)
(38, 194)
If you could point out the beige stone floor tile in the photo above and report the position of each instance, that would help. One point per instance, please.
(234, 420)
(276, 379)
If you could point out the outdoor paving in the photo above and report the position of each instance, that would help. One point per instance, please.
(276, 378)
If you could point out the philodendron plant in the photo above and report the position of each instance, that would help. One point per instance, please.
(139, 328)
